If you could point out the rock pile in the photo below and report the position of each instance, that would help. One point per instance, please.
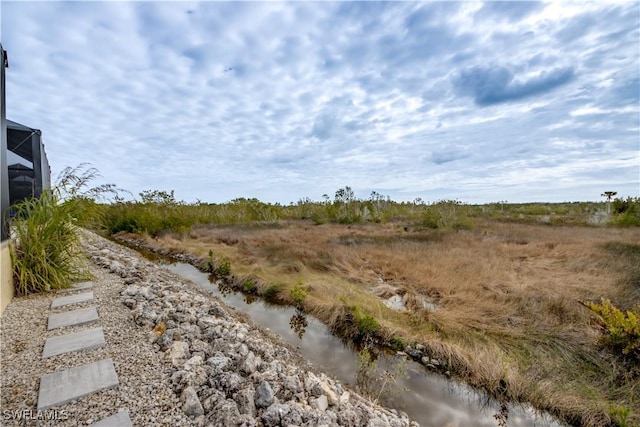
(227, 371)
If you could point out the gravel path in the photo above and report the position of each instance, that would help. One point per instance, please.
(249, 378)
(144, 380)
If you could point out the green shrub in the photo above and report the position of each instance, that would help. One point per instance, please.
(298, 293)
(447, 215)
(627, 211)
(430, 218)
(367, 325)
(622, 328)
(621, 415)
(220, 269)
(627, 219)
(249, 286)
(397, 343)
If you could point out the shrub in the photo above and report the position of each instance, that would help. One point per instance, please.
(430, 218)
(298, 293)
(367, 325)
(447, 215)
(622, 328)
(220, 269)
(397, 343)
(627, 211)
(621, 415)
(627, 219)
(249, 286)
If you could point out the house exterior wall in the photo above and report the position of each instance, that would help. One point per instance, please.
(6, 272)
(6, 276)
(4, 168)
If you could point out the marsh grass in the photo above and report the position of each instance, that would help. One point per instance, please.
(506, 318)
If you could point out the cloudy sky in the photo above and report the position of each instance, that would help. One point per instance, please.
(517, 101)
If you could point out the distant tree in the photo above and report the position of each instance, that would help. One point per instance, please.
(609, 195)
(345, 195)
(158, 197)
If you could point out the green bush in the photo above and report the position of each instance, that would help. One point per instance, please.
(298, 294)
(219, 269)
(627, 219)
(621, 415)
(222, 269)
(249, 286)
(627, 211)
(430, 218)
(397, 343)
(157, 214)
(447, 215)
(367, 325)
(622, 328)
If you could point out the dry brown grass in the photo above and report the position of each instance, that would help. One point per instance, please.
(506, 297)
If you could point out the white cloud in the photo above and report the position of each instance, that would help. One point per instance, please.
(279, 101)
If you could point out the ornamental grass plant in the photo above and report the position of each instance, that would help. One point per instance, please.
(46, 252)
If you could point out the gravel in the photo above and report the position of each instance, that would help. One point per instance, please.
(182, 357)
(144, 379)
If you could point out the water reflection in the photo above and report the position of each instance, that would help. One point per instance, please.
(502, 416)
(432, 400)
(298, 323)
(250, 298)
(380, 384)
(224, 289)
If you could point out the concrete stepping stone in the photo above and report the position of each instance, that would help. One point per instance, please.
(77, 287)
(71, 299)
(64, 386)
(83, 340)
(121, 419)
(73, 318)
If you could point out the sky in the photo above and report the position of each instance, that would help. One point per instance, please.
(479, 102)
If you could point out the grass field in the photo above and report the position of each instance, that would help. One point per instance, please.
(496, 304)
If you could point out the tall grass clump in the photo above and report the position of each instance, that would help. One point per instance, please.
(46, 253)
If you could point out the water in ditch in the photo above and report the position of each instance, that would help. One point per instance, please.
(428, 398)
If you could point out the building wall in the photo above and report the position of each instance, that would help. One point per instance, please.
(6, 276)
(4, 167)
